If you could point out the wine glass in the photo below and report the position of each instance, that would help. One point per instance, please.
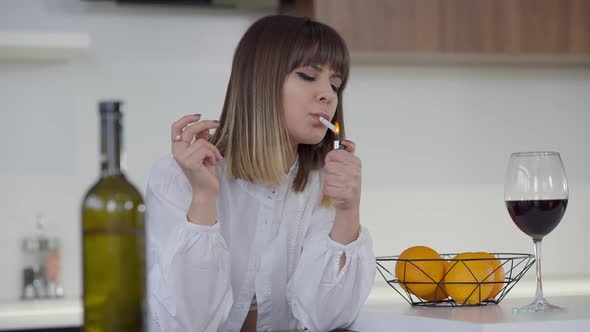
(536, 195)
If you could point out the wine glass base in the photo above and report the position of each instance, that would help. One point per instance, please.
(539, 305)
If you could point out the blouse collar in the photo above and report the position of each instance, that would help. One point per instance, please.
(270, 192)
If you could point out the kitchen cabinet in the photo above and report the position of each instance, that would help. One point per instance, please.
(492, 29)
(39, 47)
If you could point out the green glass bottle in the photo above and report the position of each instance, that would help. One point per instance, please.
(113, 238)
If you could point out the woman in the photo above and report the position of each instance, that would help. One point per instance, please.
(257, 226)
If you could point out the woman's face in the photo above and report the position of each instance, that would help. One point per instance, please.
(308, 93)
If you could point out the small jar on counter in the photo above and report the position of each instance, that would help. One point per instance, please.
(41, 276)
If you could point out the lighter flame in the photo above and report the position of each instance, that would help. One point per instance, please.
(337, 129)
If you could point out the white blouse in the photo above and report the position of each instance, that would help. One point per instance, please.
(269, 242)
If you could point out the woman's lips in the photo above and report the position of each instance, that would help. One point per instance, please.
(323, 115)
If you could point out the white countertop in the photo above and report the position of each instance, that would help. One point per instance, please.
(385, 309)
(497, 318)
(383, 305)
(41, 314)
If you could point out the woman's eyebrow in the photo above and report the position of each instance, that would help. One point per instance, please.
(334, 74)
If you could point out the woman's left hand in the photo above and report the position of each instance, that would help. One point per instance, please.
(342, 182)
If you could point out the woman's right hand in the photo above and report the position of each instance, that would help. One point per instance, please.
(195, 155)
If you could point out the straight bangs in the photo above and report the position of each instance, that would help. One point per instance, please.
(319, 44)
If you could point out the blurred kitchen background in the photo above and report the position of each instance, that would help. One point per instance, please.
(440, 94)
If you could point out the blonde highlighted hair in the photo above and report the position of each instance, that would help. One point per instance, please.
(252, 135)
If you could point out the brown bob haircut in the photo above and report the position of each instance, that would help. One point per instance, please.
(251, 135)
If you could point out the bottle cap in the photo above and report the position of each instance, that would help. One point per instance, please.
(110, 106)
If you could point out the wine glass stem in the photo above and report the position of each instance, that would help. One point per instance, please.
(539, 294)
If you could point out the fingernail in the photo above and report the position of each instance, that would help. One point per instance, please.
(198, 114)
(216, 121)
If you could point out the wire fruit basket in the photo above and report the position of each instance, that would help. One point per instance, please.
(514, 265)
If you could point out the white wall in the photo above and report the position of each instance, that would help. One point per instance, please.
(434, 140)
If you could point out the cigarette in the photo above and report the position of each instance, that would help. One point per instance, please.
(328, 124)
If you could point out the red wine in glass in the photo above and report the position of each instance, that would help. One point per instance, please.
(537, 218)
(536, 195)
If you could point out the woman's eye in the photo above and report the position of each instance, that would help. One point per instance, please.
(309, 78)
(306, 77)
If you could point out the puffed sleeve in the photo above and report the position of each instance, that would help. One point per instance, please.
(188, 265)
(322, 296)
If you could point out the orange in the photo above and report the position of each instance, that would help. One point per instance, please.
(440, 293)
(498, 277)
(461, 282)
(443, 292)
(420, 276)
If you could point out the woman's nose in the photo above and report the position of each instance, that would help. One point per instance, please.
(325, 93)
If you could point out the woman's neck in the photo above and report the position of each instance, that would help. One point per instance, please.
(292, 158)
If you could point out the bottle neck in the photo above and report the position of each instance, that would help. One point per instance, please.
(111, 145)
